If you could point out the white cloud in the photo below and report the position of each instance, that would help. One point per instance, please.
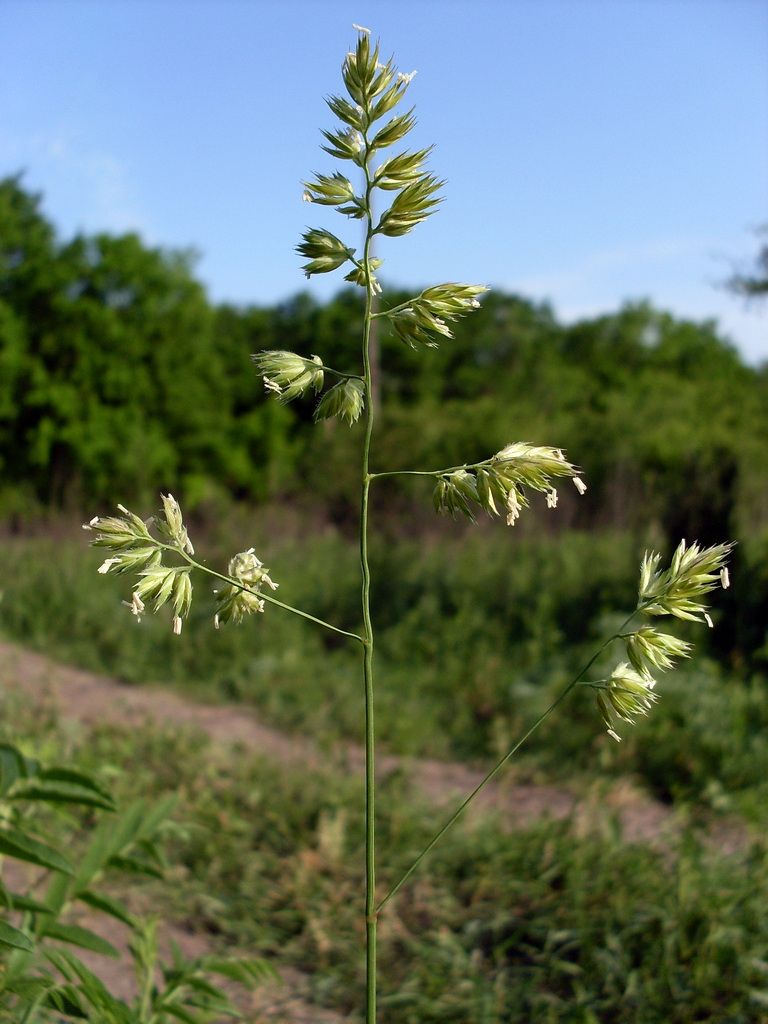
(597, 269)
(677, 274)
(84, 188)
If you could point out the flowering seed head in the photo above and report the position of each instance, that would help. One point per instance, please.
(693, 572)
(287, 374)
(344, 400)
(171, 526)
(623, 696)
(156, 585)
(324, 251)
(241, 596)
(118, 533)
(501, 481)
(648, 648)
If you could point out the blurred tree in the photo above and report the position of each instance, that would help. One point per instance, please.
(116, 377)
(753, 284)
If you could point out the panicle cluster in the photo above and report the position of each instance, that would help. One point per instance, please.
(345, 400)
(324, 251)
(677, 591)
(134, 549)
(499, 483)
(624, 695)
(693, 572)
(374, 89)
(423, 319)
(240, 597)
(289, 376)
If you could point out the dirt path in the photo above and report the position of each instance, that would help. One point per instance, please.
(90, 698)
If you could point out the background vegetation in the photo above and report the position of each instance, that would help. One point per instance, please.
(119, 379)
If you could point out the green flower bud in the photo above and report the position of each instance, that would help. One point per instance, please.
(358, 275)
(324, 251)
(623, 696)
(646, 647)
(182, 593)
(157, 584)
(394, 130)
(677, 591)
(413, 204)
(135, 560)
(330, 190)
(501, 481)
(172, 528)
(454, 492)
(119, 533)
(426, 315)
(345, 399)
(287, 374)
(400, 170)
(345, 144)
(241, 596)
(346, 112)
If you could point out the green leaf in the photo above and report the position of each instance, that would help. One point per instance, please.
(13, 766)
(135, 864)
(75, 935)
(248, 971)
(111, 839)
(60, 791)
(58, 893)
(27, 903)
(73, 775)
(66, 999)
(180, 1013)
(200, 984)
(107, 905)
(91, 987)
(10, 936)
(16, 844)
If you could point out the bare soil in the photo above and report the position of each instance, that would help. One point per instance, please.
(89, 698)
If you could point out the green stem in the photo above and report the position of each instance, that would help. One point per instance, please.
(430, 472)
(338, 373)
(500, 764)
(371, 915)
(262, 596)
(398, 309)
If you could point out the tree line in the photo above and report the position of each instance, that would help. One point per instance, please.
(119, 378)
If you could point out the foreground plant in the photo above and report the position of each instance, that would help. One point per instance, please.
(499, 485)
(42, 977)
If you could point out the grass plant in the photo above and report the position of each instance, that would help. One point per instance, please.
(497, 931)
(560, 920)
(161, 553)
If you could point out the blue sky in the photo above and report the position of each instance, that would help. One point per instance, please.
(595, 151)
